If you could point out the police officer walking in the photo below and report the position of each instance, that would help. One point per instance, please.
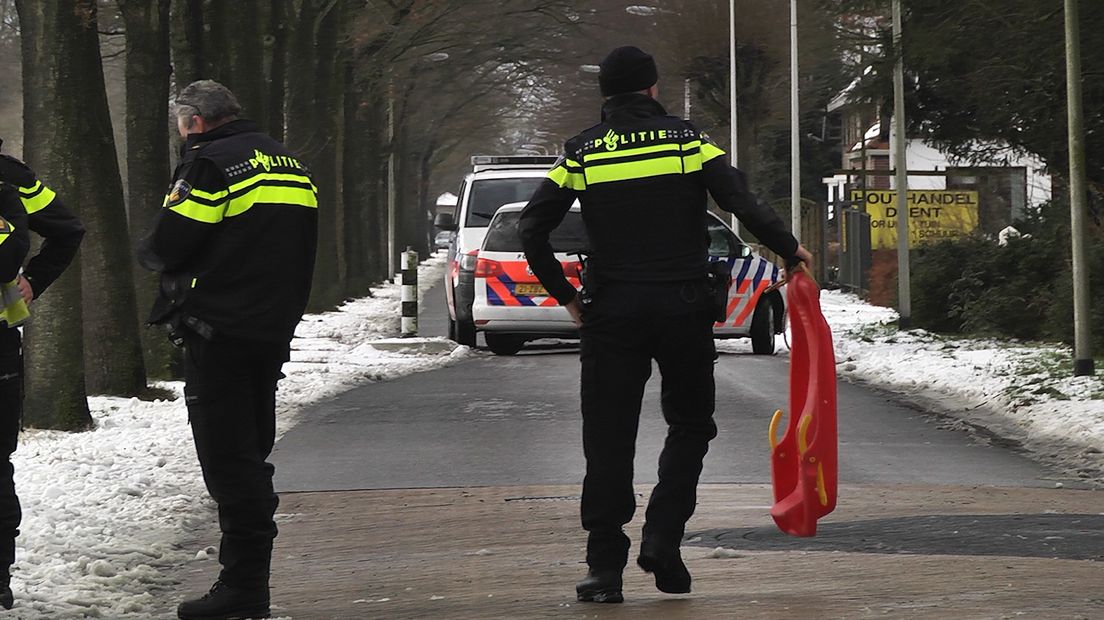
(26, 205)
(641, 177)
(235, 245)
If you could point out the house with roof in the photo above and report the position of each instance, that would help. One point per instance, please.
(1007, 182)
(948, 196)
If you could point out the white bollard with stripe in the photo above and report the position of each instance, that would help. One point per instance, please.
(409, 293)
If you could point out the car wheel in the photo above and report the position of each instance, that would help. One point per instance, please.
(503, 344)
(465, 333)
(451, 329)
(762, 328)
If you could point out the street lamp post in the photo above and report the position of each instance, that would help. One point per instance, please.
(795, 129)
(733, 101)
(392, 207)
(1082, 356)
(904, 291)
(733, 76)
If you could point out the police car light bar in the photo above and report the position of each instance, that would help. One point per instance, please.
(512, 161)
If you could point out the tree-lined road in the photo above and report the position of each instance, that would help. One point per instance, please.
(492, 421)
(454, 494)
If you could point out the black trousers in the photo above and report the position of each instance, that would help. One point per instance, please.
(230, 388)
(11, 414)
(624, 329)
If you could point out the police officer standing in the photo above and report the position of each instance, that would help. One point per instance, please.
(26, 205)
(641, 177)
(14, 243)
(235, 245)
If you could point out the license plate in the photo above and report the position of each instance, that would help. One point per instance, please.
(530, 290)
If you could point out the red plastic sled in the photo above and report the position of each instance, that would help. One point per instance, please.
(803, 462)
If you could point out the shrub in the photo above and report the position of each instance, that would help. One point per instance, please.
(1021, 290)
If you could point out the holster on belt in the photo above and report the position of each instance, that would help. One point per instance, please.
(588, 276)
(719, 276)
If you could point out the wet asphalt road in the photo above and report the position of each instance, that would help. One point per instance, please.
(515, 420)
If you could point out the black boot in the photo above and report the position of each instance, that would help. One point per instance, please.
(600, 586)
(226, 603)
(665, 562)
(7, 599)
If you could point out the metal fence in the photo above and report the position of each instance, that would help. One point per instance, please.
(854, 272)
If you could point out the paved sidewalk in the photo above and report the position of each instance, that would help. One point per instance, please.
(515, 552)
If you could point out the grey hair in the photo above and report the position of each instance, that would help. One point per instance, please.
(209, 100)
(185, 112)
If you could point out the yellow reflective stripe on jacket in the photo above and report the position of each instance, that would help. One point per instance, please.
(706, 152)
(240, 197)
(200, 212)
(648, 161)
(570, 180)
(628, 171)
(7, 230)
(271, 176)
(710, 152)
(643, 150)
(36, 198)
(274, 188)
(218, 196)
(278, 194)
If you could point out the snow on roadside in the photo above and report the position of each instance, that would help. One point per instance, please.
(108, 513)
(1023, 392)
(1020, 392)
(353, 345)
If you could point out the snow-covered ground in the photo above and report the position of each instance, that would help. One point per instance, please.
(1022, 392)
(110, 513)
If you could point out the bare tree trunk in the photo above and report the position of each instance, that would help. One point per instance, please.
(300, 83)
(314, 92)
(187, 42)
(234, 29)
(411, 212)
(54, 349)
(275, 45)
(147, 96)
(112, 347)
(361, 196)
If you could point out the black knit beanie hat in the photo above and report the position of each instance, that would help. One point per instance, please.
(627, 70)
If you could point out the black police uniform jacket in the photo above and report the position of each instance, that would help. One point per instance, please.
(236, 239)
(46, 216)
(641, 177)
(14, 240)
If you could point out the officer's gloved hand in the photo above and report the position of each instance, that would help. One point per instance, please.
(803, 259)
(15, 172)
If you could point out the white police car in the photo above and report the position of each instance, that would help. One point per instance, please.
(511, 306)
(756, 299)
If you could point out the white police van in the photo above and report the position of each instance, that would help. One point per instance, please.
(494, 181)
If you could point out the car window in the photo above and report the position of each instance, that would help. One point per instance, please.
(723, 243)
(488, 195)
(569, 237)
(456, 209)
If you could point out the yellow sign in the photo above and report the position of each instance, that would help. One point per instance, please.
(934, 215)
